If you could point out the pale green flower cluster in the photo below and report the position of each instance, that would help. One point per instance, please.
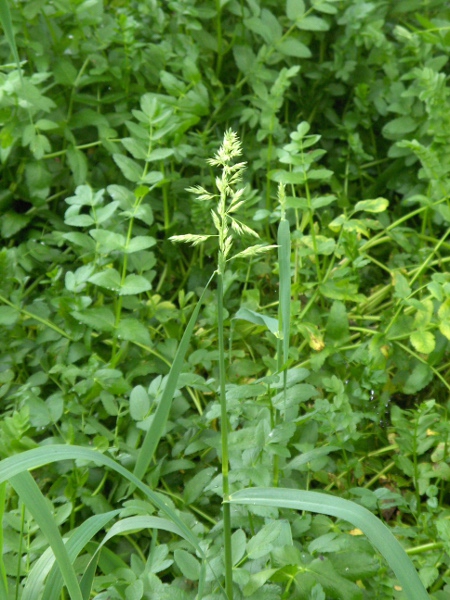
(230, 200)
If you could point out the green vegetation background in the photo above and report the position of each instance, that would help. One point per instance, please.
(114, 115)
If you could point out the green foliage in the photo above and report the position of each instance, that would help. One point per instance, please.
(333, 357)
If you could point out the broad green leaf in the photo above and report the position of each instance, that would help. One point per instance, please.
(137, 148)
(159, 154)
(39, 145)
(378, 534)
(287, 177)
(108, 241)
(399, 127)
(262, 543)
(295, 9)
(105, 212)
(325, 7)
(244, 58)
(337, 323)
(195, 486)
(374, 206)
(321, 244)
(100, 319)
(257, 319)
(238, 544)
(11, 223)
(139, 403)
(110, 279)
(293, 47)
(153, 177)
(134, 330)
(312, 23)
(134, 284)
(130, 169)
(302, 461)
(144, 213)
(78, 164)
(420, 376)
(139, 242)
(402, 289)
(188, 564)
(8, 315)
(78, 220)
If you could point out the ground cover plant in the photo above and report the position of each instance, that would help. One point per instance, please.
(261, 413)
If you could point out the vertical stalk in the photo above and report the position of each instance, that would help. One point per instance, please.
(224, 436)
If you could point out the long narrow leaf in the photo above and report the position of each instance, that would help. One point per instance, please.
(123, 527)
(3, 578)
(44, 455)
(75, 544)
(378, 534)
(5, 20)
(33, 499)
(157, 428)
(284, 262)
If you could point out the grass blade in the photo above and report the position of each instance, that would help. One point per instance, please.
(3, 578)
(157, 428)
(75, 544)
(5, 20)
(284, 306)
(123, 527)
(33, 499)
(378, 534)
(38, 457)
(284, 262)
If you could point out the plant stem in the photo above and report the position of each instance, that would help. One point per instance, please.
(224, 436)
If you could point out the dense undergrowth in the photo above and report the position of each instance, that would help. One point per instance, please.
(106, 132)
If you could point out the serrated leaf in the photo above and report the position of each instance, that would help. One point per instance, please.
(108, 241)
(374, 206)
(245, 58)
(188, 564)
(420, 376)
(134, 331)
(423, 341)
(131, 170)
(337, 324)
(137, 148)
(12, 222)
(444, 328)
(262, 543)
(402, 289)
(100, 319)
